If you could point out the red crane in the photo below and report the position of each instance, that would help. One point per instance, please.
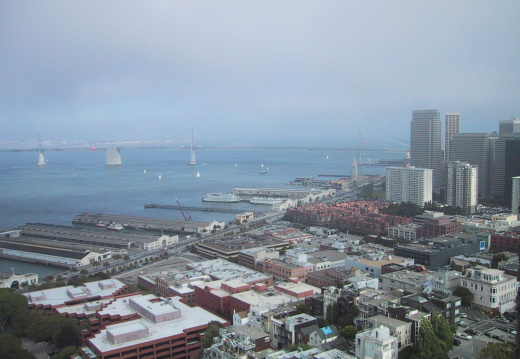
(182, 212)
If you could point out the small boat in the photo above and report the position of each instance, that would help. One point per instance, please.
(327, 157)
(262, 165)
(144, 171)
(160, 177)
(198, 174)
(101, 224)
(236, 165)
(265, 171)
(115, 226)
(41, 160)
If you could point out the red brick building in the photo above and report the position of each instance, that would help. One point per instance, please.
(438, 227)
(505, 242)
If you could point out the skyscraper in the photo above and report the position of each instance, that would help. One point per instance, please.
(451, 127)
(425, 142)
(474, 149)
(409, 184)
(515, 200)
(462, 186)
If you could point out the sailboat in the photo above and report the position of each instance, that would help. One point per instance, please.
(192, 159)
(41, 159)
(265, 171)
(160, 177)
(262, 165)
(198, 174)
(144, 171)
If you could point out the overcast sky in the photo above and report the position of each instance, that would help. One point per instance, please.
(253, 72)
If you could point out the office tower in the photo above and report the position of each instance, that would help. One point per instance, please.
(425, 142)
(451, 127)
(474, 149)
(462, 186)
(509, 126)
(515, 200)
(506, 160)
(409, 184)
(353, 169)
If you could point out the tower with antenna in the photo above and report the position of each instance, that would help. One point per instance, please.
(41, 159)
(192, 158)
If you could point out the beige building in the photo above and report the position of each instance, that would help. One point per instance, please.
(493, 290)
(401, 330)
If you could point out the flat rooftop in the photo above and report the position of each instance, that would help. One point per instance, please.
(191, 317)
(222, 269)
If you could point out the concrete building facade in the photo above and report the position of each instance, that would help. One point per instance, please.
(515, 197)
(409, 184)
(451, 127)
(462, 189)
(426, 142)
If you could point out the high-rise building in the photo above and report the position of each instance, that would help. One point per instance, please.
(509, 126)
(507, 163)
(462, 186)
(515, 200)
(426, 142)
(451, 127)
(473, 148)
(512, 166)
(409, 184)
(353, 169)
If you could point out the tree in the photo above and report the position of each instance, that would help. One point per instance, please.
(332, 312)
(106, 265)
(349, 332)
(74, 270)
(83, 272)
(303, 308)
(435, 338)
(11, 348)
(66, 333)
(65, 353)
(497, 258)
(498, 351)
(465, 295)
(126, 257)
(10, 304)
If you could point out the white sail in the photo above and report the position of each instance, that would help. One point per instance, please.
(41, 159)
(113, 157)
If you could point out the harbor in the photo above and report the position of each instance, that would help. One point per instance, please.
(198, 209)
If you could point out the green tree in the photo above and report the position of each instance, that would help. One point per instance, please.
(332, 312)
(303, 308)
(349, 332)
(83, 272)
(465, 295)
(65, 353)
(498, 351)
(435, 338)
(11, 348)
(10, 304)
(499, 257)
(66, 332)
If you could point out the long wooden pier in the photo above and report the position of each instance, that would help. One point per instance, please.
(199, 209)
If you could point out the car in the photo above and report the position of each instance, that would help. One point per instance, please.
(461, 324)
(456, 342)
(471, 331)
(503, 320)
(510, 316)
(464, 336)
(463, 315)
(475, 319)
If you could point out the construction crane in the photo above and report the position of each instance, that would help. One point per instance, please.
(188, 218)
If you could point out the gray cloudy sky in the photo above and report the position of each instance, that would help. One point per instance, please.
(253, 71)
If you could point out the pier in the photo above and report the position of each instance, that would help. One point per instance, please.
(199, 209)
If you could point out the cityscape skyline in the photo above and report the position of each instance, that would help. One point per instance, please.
(275, 73)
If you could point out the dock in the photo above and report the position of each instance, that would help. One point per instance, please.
(199, 209)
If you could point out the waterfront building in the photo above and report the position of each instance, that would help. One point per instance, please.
(462, 187)
(451, 127)
(376, 343)
(426, 142)
(409, 184)
(16, 281)
(474, 148)
(493, 290)
(515, 197)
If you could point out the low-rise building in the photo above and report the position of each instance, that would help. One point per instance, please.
(493, 290)
(251, 257)
(398, 328)
(376, 343)
(286, 271)
(16, 281)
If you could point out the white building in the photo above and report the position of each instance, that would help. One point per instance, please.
(515, 200)
(11, 280)
(409, 184)
(462, 186)
(401, 330)
(492, 289)
(376, 343)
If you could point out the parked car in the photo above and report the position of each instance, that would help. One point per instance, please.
(503, 320)
(510, 316)
(464, 336)
(456, 342)
(475, 319)
(463, 315)
(471, 331)
(462, 324)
